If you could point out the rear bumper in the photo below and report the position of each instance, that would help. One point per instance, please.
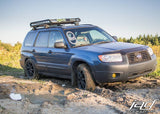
(124, 71)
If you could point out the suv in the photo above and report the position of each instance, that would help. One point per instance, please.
(85, 53)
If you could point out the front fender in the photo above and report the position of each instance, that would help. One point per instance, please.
(84, 59)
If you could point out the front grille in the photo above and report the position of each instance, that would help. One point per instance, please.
(138, 57)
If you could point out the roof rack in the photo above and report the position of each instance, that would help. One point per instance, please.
(51, 22)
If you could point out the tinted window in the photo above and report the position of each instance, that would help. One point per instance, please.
(42, 39)
(29, 40)
(55, 36)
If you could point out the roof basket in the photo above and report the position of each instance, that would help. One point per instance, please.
(54, 22)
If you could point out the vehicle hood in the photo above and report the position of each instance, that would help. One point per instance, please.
(109, 47)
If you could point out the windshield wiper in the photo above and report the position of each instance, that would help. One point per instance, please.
(101, 42)
(92, 44)
(81, 45)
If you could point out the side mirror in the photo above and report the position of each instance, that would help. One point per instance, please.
(60, 45)
(115, 37)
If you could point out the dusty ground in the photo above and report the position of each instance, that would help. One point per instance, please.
(50, 95)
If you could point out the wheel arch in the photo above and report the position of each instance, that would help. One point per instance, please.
(75, 65)
(32, 58)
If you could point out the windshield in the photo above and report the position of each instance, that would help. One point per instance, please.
(87, 36)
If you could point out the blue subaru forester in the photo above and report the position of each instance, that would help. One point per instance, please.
(85, 53)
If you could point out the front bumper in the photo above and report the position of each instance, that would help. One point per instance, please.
(125, 71)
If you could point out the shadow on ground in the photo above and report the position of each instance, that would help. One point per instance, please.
(7, 70)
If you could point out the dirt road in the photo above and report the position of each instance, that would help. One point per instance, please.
(50, 95)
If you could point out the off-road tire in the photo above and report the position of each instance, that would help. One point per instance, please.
(31, 73)
(83, 71)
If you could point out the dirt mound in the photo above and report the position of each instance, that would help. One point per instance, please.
(50, 95)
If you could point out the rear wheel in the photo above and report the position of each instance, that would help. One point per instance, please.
(84, 78)
(30, 70)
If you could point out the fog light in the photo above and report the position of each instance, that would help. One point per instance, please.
(113, 75)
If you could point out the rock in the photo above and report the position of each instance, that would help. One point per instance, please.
(120, 99)
(45, 104)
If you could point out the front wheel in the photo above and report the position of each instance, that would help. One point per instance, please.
(84, 78)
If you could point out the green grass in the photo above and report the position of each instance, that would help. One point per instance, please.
(2, 107)
(6, 70)
(9, 63)
(156, 73)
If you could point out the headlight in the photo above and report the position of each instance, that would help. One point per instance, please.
(117, 57)
(150, 51)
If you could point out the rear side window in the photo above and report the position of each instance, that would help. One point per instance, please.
(42, 39)
(29, 40)
(55, 36)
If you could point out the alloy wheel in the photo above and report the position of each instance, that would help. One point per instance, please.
(81, 80)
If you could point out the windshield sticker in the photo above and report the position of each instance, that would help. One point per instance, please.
(71, 37)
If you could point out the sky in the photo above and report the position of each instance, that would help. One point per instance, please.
(121, 18)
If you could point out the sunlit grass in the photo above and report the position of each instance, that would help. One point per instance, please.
(9, 63)
(156, 73)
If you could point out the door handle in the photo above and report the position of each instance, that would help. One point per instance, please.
(33, 50)
(50, 52)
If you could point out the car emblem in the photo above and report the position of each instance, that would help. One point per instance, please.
(139, 56)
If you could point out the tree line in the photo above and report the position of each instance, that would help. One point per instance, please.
(9, 47)
(149, 40)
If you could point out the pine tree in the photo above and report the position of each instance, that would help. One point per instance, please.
(17, 46)
(124, 40)
(131, 40)
(156, 42)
